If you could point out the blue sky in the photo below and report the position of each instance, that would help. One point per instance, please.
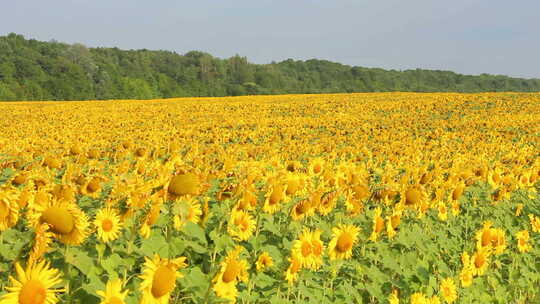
(466, 36)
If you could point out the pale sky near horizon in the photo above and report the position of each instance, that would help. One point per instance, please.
(465, 36)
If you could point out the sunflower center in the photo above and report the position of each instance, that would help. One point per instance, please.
(93, 185)
(479, 261)
(231, 272)
(163, 281)
(107, 225)
(115, 300)
(32, 292)
(317, 168)
(344, 242)
(306, 249)
(486, 237)
(60, 219)
(412, 196)
(183, 184)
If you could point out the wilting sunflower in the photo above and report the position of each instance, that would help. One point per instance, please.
(378, 225)
(448, 290)
(113, 293)
(36, 284)
(68, 223)
(264, 261)
(9, 209)
(344, 238)
(108, 224)
(159, 278)
(232, 270)
(523, 241)
(241, 225)
(302, 209)
(185, 210)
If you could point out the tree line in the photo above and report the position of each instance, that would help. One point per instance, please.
(36, 70)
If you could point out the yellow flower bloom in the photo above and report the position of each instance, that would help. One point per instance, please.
(343, 241)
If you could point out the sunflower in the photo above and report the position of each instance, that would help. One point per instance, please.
(491, 237)
(232, 270)
(378, 225)
(523, 241)
(113, 293)
(108, 224)
(419, 298)
(535, 222)
(92, 187)
(183, 184)
(36, 284)
(316, 166)
(241, 225)
(328, 202)
(187, 209)
(393, 298)
(159, 278)
(480, 261)
(344, 238)
(264, 261)
(413, 196)
(66, 220)
(9, 209)
(443, 211)
(302, 209)
(308, 249)
(294, 183)
(448, 290)
(150, 219)
(42, 240)
(291, 274)
(273, 198)
(466, 276)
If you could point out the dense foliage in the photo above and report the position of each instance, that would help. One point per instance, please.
(34, 70)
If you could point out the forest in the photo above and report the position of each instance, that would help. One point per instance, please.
(36, 70)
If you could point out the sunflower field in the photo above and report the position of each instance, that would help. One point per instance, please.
(339, 198)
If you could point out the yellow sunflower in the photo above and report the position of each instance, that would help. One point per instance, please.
(274, 196)
(378, 225)
(308, 249)
(291, 274)
(9, 209)
(302, 209)
(187, 209)
(523, 241)
(241, 225)
(264, 261)
(66, 220)
(344, 238)
(232, 270)
(448, 290)
(113, 293)
(316, 166)
(36, 284)
(535, 222)
(159, 278)
(183, 184)
(480, 261)
(108, 224)
(42, 241)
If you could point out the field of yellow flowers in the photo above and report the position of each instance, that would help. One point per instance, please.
(345, 198)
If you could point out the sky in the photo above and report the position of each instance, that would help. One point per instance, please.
(465, 36)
